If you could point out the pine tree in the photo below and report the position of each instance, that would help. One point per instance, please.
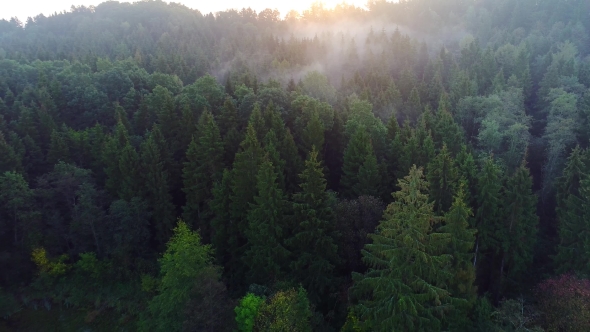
(443, 180)
(313, 246)
(404, 286)
(202, 168)
(156, 183)
(266, 254)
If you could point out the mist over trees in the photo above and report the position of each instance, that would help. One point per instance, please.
(417, 166)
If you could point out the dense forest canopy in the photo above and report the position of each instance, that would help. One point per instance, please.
(419, 165)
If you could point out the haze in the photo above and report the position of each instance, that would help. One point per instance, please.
(31, 8)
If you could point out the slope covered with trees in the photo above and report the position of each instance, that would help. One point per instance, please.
(420, 165)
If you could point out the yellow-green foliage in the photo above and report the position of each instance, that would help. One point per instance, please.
(53, 267)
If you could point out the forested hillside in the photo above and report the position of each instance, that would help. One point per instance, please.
(411, 166)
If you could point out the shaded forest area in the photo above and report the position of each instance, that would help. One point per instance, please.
(412, 166)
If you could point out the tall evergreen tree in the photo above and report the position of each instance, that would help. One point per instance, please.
(157, 194)
(520, 226)
(462, 283)
(443, 178)
(570, 215)
(202, 168)
(313, 246)
(266, 254)
(404, 288)
(489, 224)
(357, 152)
(243, 191)
(130, 170)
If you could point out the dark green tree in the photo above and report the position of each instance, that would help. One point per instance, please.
(405, 286)
(157, 194)
(201, 170)
(267, 228)
(313, 245)
(443, 179)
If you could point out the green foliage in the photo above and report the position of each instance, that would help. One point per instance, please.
(312, 244)
(267, 228)
(285, 311)
(404, 287)
(201, 170)
(184, 260)
(246, 312)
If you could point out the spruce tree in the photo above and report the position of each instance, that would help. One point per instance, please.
(369, 177)
(110, 158)
(156, 182)
(313, 246)
(293, 162)
(570, 215)
(266, 254)
(221, 225)
(404, 288)
(243, 190)
(462, 283)
(520, 226)
(58, 148)
(356, 153)
(443, 178)
(313, 135)
(130, 170)
(202, 168)
(489, 220)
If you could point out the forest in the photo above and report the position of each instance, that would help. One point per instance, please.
(418, 165)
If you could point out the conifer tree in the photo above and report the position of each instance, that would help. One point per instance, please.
(489, 220)
(313, 246)
(130, 170)
(266, 254)
(293, 162)
(520, 226)
(58, 149)
(202, 168)
(271, 144)
(228, 127)
(443, 180)
(258, 122)
(404, 288)
(313, 135)
(156, 182)
(570, 215)
(369, 177)
(110, 158)
(462, 283)
(447, 132)
(243, 190)
(222, 227)
(357, 152)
